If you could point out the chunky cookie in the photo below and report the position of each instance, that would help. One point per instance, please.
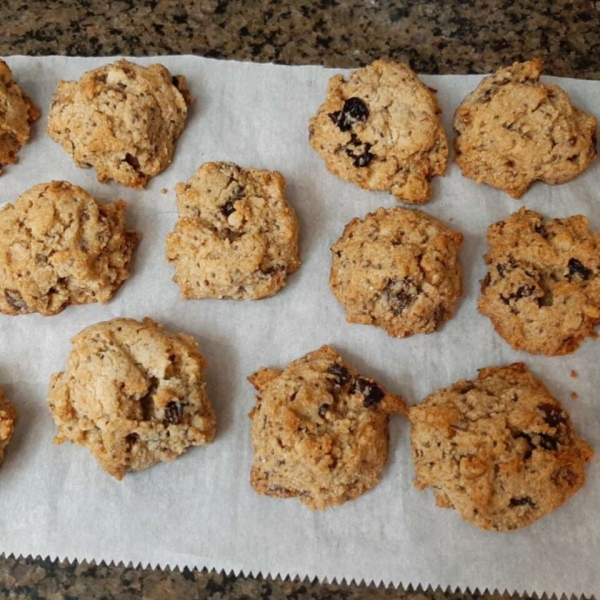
(397, 269)
(8, 417)
(381, 130)
(237, 237)
(514, 130)
(59, 246)
(17, 113)
(500, 450)
(122, 119)
(134, 394)
(542, 290)
(319, 430)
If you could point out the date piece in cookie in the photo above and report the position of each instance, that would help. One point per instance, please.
(500, 449)
(381, 130)
(17, 113)
(319, 430)
(397, 269)
(237, 237)
(8, 417)
(134, 394)
(59, 246)
(514, 130)
(542, 290)
(122, 119)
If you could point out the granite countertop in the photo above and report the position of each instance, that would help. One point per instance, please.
(454, 36)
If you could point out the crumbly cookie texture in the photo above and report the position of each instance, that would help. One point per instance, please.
(134, 394)
(122, 119)
(8, 417)
(514, 130)
(382, 130)
(397, 269)
(500, 449)
(59, 246)
(237, 237)
(17, 113)
(542, 290)
(319, 430)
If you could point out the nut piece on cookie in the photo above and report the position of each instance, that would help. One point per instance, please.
(514, 130)
(134, 394)
(59, 246)
(17, 113)
(500, 449)
(319, 430)
(8, 417)
(542, 289)
(237, 237)
(397, 269)
(381, 130)
(122, 119)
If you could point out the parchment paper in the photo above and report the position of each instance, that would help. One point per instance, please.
(200, 510)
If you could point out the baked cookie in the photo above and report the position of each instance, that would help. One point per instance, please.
(514, 130)
(397, 269)
(542, 290)
(8, 417)
(122, 119)
(500, 450)
(59, 246)
(134, 394)
(237, 237)
(382, 130)
(319, 430)
(17, 113)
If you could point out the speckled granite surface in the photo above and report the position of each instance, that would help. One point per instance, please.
(454, 36)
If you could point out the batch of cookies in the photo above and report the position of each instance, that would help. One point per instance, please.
(500, 449)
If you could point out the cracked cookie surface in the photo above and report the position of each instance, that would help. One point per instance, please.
(542, 290)
(381, 130)
(133, 394)
(122, 119)
(17, 113)
(8, 417)
(319, 430)
(397, 269)
(59, 246)
(500, 449)
(237, 237)
(514, 130)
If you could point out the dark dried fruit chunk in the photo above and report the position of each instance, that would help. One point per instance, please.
(228, 208)
(523, 501)
(15, 299)
(523, 291)
(354, 110)
(553, 415)
(340, 373)
(371, 392)
(578, 270)
(548, 442)
(133, 162)
(323, 410)
(174, 413)
(131, 439)
(401, 293)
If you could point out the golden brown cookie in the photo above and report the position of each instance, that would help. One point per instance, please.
(134, 394)
(17, 113)
(542, 290)
(514, 130)
(500, 449)
(319, 430)
(59, 246)
(237, 237)
(382, 130)
(397, 269)
(8, 417)
(122, 119)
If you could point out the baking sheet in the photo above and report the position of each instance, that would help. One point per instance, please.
(200, 510)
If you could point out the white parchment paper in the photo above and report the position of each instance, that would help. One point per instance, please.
(200, 510)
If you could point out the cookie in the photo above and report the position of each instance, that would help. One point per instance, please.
(381, 130)
(319, 430)
(237, 237)
(514, 130)
(397, 269)
(500, 449)
(122, 119)
(542, 289)
(134, 394)
(59, 246)
(8, 417)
